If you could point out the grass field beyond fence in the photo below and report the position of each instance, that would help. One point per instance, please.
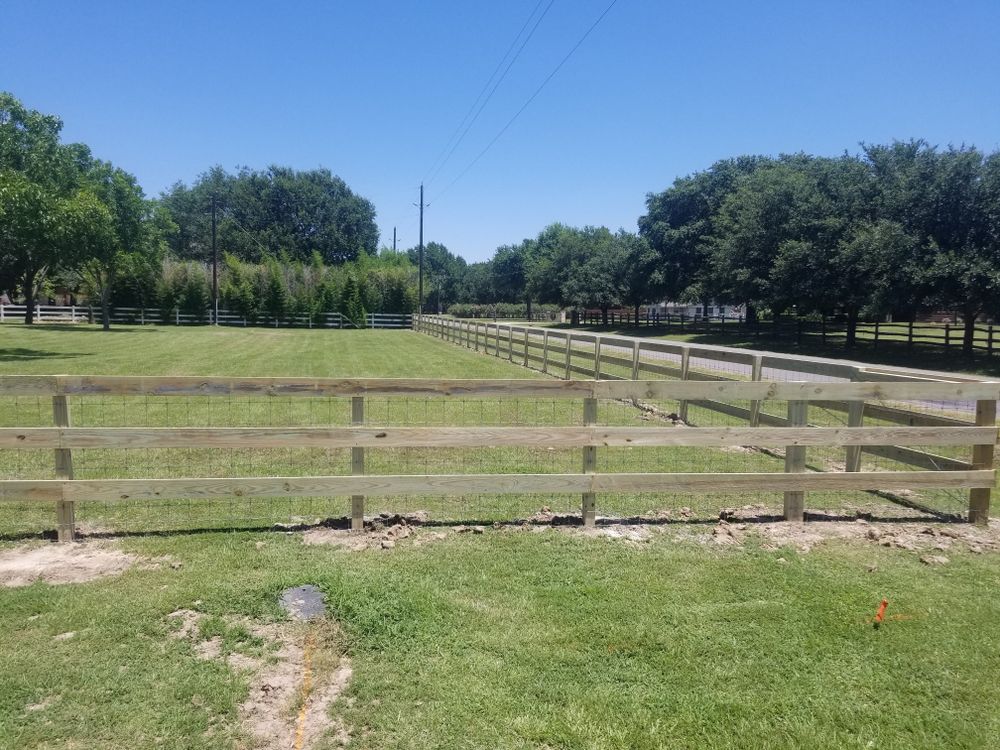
(518, 637)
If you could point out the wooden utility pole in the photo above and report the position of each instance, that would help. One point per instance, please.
(394, 239)
(215, 270)
(420, 277)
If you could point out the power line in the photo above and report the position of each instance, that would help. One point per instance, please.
(438, 163)
(528, 101)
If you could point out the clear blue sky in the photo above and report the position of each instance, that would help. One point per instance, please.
(372, 90)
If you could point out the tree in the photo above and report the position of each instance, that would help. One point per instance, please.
(270, 211)
(642, 275)
(443, 272)
(133, 234)
(945, 200)
(680, 221)
(39, 183)
(596, 270)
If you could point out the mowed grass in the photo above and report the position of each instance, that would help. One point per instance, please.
(505, 639)
(249, 352)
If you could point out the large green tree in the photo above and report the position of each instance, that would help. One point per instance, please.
(269, 211)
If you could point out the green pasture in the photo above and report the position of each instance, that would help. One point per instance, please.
(506, 639)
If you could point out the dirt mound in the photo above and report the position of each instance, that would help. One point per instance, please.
(384, 531)
(294, 679)
(61, 563)
(909, 530)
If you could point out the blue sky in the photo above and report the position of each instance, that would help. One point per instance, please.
(373, 90)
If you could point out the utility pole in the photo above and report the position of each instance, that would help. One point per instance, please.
(420, 282)
(215, 269)
(394, 239)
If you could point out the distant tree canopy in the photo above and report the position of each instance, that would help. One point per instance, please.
(896, 229)
(274, 210)
(65, 215)
(443, 275)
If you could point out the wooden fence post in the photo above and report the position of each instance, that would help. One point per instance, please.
(875, 342)
(855, 418)
(357, 465)
(989, 341)
(65, 510)
(569, 354)
(635, 359)
(982, 458)
(758, 366)
(795, 461)
(947, 336)
(525, 346)
(682, 409)
(545, 351)
(597, 358)
(589, 502)
(909, 334)
(510, 344)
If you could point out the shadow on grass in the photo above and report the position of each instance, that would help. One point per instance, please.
(20, 354)
(88, 328)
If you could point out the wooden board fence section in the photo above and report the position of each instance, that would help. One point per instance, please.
(106, 490)
(359, 437)
(874, 401)
(860, 398)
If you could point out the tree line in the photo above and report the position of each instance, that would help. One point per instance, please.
(292, 242)
(897, 229)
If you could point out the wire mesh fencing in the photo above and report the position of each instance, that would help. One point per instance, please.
(155, 454)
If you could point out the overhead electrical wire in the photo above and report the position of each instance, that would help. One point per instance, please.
(481, 102)
(527, 102)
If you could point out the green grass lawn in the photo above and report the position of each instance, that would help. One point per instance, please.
(506, 639)
(204, 350)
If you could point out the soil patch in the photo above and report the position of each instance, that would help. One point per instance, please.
(736, 526)
(61, 563)
(383, 532)
(294, 679)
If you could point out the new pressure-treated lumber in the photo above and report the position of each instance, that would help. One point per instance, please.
(982, 458)
(795, 461)
(473, 484)
(65, 510)
(589, 499)
(360, 436)
(70, 385)
(357, 465)
(855, 419)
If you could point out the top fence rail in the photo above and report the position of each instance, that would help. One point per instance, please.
(76, 385)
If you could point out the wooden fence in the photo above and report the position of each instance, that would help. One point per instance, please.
(795, 435)
(570, 354)
(148, 315)
(908, 335)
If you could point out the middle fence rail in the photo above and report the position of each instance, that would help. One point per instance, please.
(216, 423)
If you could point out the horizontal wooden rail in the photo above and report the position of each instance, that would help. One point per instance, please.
(68, 385)
(467, 484)
(479, 437)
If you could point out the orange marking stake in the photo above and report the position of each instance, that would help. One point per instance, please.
(880, 615)
(300, 725)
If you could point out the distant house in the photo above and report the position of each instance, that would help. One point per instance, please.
(692, 310)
